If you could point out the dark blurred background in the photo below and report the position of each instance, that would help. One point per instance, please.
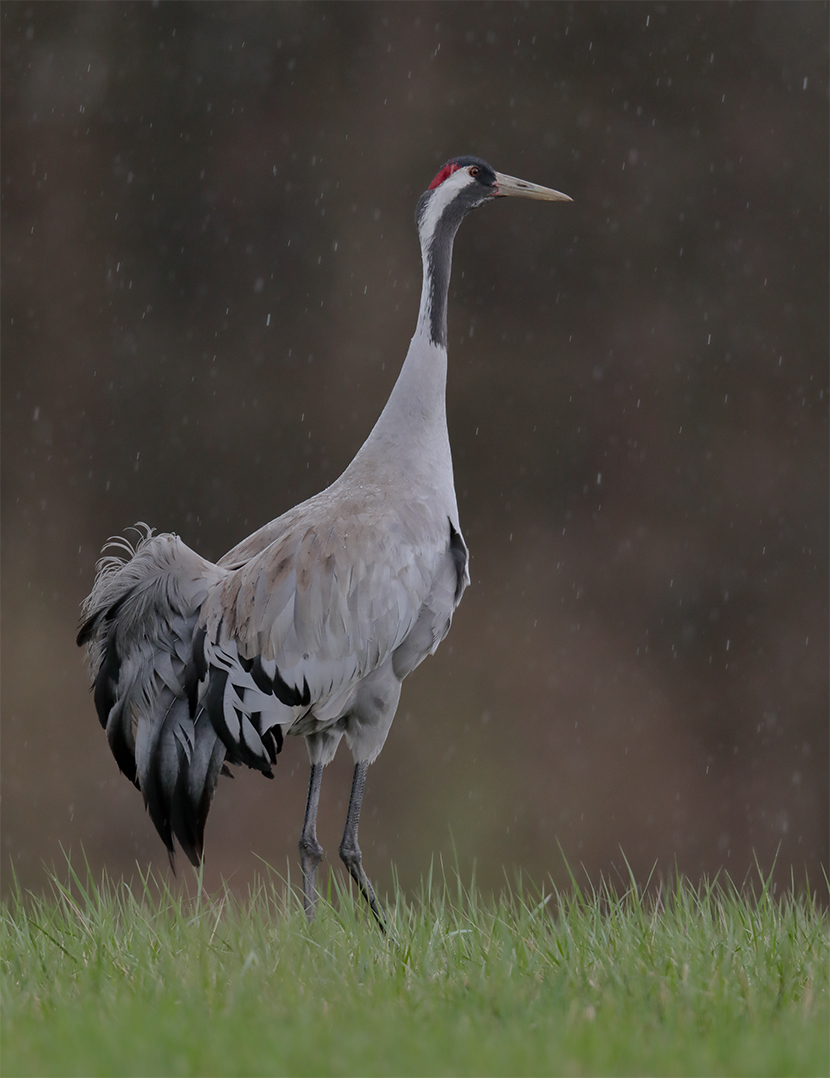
(210, 276)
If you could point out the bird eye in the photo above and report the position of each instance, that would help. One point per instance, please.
(474, 170)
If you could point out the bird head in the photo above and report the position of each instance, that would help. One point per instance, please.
(464, 183)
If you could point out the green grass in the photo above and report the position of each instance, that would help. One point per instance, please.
(108, 979)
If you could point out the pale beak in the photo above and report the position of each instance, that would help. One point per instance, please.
(509, 185)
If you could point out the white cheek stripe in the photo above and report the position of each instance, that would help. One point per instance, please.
(441, 197)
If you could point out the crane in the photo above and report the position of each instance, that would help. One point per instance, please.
(309, 625)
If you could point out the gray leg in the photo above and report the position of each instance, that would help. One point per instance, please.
(311, 852)
(349, 849)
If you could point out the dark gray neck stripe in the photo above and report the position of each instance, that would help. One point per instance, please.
(439, 266)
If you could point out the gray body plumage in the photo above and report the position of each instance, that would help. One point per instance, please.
(310, 625)
(340, 598)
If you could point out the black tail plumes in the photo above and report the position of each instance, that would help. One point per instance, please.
(139, 629)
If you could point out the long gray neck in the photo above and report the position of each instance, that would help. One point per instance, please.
(412, 429)
(419, 395)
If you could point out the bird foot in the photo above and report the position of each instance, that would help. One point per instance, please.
(352, 858)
